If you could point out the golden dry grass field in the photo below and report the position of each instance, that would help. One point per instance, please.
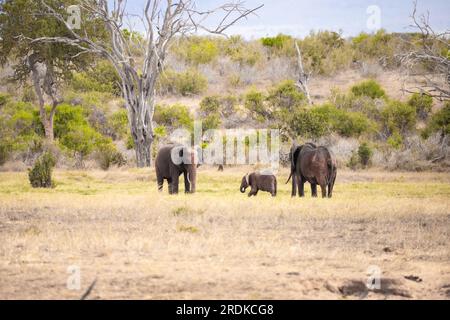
(217, 244)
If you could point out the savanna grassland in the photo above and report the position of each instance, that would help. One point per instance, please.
(220, 244)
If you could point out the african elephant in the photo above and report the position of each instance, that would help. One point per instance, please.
(259, 182)
(316, 165)
(174, 160)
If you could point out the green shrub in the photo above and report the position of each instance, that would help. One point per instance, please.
(254, 102)
(5, 151)
(102, 78)
(118, 121)
(439, 122)
(212, 121)
(4, 98)
(107, 155)
(365, 154)
(422, 103)
(380, 44)
(40, 175)
(345, 123)
(325, 52)
(369, 88)
(286, 96)
(242, 52)
(81, 139)
(210, 105)
(399, 117)
(67, 117)
(185, 83)
(307, 124)
(395, 140)
(175, 116)
(202, 52)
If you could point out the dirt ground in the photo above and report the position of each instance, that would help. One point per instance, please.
(114, 227)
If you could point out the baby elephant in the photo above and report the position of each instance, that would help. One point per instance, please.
(259, 182)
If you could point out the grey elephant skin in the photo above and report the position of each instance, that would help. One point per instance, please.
(259, 182)
(186, 164)
(313, 164)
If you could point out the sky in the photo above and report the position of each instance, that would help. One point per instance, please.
(299, 17)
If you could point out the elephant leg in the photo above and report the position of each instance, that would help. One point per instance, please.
(169, 182)
(314, 190)
(253, 192)
(331, 187)
(294, 185)
(323, 187)
(187, 185)
(160, 181)
(175, 184)
(301, 187)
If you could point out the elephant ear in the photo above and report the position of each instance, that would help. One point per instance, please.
(294, 156)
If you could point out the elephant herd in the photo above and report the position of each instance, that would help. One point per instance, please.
(309, 163)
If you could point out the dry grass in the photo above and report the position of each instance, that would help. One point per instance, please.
(220, 244)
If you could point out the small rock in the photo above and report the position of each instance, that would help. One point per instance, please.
(413, 278)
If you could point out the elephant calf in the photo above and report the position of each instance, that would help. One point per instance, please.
(257, 182)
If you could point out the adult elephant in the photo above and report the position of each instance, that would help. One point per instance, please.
(313, 164)
(173, 161)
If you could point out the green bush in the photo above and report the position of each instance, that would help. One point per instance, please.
(81, 139)
(286, 96)
(185, 83)
(242, 52)
(325, 52)
(4, 98)
(345, 123)
(107, 155)
(308, 124)
(202, 52)
(399, 117)
(380, 44)
(174, 117)
(5, 151)
(369, 88)
(210, 105)
(254, 102)
(365, 154)
(102, 78)
(395, 140)
(212, 121)
(118, 121)
(67, 117)
(422, 103)
(40, 175)
(439, 122)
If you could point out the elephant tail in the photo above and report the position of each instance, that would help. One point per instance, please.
(289, 179)
(331, 168)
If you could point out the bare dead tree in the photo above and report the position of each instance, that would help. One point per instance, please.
(432, 53)
(162, 21)
(303, 77)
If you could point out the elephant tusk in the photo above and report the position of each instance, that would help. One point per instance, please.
(189, 178)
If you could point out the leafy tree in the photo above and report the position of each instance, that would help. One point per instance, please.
(48, 63)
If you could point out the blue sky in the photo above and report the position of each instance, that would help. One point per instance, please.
(299, 17)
